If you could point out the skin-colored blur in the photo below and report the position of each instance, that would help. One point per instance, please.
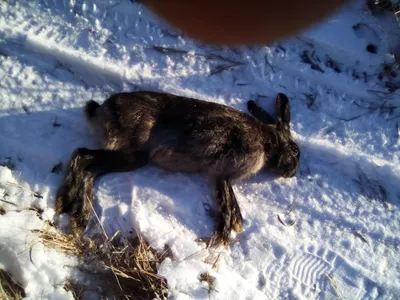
(242, 21)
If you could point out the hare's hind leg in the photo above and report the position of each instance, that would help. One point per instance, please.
(76, 192)
(231, 217)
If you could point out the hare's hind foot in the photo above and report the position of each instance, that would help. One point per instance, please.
(75, 195)
(75, 188)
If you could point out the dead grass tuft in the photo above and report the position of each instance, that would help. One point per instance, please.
(9, 288)
(66, 243)
(116, 267)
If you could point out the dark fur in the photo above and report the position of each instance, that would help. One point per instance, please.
(179, 134)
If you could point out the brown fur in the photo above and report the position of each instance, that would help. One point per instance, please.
(183, 135)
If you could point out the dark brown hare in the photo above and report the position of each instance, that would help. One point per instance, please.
(183, 135)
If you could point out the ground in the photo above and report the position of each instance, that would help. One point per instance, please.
(330, 232)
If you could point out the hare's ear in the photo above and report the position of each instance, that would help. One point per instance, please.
(282, 110)
(256, 111)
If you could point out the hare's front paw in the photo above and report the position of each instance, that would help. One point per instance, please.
(236, 219)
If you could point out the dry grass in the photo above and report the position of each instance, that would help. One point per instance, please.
(335, 285)
(9, 288)
(66, 243)
(117, 267)
(206, 277)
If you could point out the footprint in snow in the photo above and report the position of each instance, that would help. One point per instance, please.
(318, 273)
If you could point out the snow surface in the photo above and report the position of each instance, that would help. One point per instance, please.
(55, 55)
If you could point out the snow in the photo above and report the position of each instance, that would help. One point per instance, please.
(39, 269)
(344, 202)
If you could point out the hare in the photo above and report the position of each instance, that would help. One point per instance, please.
(183, 135)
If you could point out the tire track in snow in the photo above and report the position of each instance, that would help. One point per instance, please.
(89, 69)
(57, 45)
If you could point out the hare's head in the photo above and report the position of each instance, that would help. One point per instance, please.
(284, 158)
(287, 152)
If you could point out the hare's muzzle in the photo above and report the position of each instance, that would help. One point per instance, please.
(290, 174)
(287, 170)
